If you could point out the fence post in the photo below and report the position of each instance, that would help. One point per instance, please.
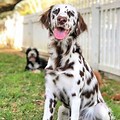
(94, 53)
(30, 23)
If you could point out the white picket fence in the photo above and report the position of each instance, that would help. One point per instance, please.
(34, 35)
(102, 45)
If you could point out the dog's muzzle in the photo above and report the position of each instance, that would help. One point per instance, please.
(60, 33)
(61, 20)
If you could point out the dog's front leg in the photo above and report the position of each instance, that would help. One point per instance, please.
(50, 103)
(75, 107)
(75, 99)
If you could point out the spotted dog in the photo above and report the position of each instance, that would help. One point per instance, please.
(69, 78)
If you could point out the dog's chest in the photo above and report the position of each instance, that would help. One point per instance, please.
(62, 78)
(33, 65)
(66, 74)
(60, 84)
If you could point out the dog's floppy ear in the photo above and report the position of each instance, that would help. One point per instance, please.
(81, 25)
(36, 51)
(28, 50)
(45, 18)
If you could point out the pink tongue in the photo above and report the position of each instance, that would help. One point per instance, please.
(60, 35)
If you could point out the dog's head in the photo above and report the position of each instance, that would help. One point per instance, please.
(32, 54)
(63, 20)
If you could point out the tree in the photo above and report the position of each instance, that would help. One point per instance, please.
(33, 6)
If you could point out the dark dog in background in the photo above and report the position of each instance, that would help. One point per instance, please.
(34, 62)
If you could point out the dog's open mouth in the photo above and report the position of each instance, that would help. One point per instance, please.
(32, 58)
(60, 33)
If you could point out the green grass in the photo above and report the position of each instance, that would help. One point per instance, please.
(22, 93)
(112, 88)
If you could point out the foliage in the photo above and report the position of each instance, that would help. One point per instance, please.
(22, 93)
(26, 7)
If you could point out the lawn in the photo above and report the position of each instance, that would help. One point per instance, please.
(22, 93)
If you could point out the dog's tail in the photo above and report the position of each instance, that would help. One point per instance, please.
(98, 76)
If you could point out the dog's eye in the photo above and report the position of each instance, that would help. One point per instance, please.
(56, 11)
(70, 13)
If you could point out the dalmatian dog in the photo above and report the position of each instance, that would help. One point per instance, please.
(69, 78)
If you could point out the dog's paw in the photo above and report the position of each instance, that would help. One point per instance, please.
(36, 71)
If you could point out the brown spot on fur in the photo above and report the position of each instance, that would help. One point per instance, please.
(78, 82)
(83, 69)
(50, 105)
(49, 68)
(80, 90)
(70, 13)
(73, 94)
(55, 102)
(54, 81)
(62, 97)
(92, 103)
(68, 75)
(89, 81)
(53, 16)
(56, 11)
(51, 110)
(81, 102)
(64, 91)
(54, 95)
(52, 73)
(59, 52)
(51, 117)
(87, 94)
(68, 50)
(85, 65)
(81, 73)
(87, 104)
(80, 61)
(96, 87)
(57, 78)
(77, 49)
(68, 65)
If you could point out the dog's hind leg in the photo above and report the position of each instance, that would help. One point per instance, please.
(97, 112)
(63, 113)
(102, 112)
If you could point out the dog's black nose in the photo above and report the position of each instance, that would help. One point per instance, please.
(61, 20)
(32, 54)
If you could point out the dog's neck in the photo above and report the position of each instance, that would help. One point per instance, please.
(61, 51)
(63, 47)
